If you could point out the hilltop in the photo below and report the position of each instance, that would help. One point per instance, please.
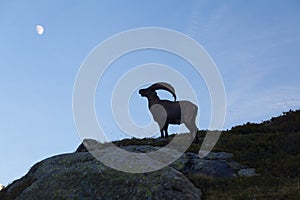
(254, 160)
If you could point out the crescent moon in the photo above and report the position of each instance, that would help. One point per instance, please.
(39, 29)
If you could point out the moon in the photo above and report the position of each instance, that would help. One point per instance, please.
(39, 29)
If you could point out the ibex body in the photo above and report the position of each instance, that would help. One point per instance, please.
(167, 112)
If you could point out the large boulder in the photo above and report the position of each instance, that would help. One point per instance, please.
(80, 176)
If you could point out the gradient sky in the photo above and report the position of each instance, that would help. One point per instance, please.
(255, 45)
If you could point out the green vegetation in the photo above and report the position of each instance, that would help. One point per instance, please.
(256, 187)
(271, 147)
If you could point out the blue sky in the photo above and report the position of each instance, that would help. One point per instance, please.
(255, 45)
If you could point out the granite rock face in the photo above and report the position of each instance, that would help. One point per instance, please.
(79, 175)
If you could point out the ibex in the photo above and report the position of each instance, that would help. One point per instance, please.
(167, 112)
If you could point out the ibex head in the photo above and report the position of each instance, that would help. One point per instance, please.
(147, 92)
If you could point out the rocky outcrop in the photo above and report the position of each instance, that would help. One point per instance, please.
(79, 175)
(215, 164)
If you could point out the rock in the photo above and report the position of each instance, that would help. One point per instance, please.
(212, 168)
(190, 163)
(247, 172)
(236, 166)
(140, 148)
(80, 176)
(90, 144)
(219, 155)
(215, 164)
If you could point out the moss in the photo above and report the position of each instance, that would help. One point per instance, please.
(145, 191)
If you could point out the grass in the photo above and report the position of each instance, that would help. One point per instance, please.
(275, 156)
(257, 187)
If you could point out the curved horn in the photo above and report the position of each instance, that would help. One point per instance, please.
(163, 86)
